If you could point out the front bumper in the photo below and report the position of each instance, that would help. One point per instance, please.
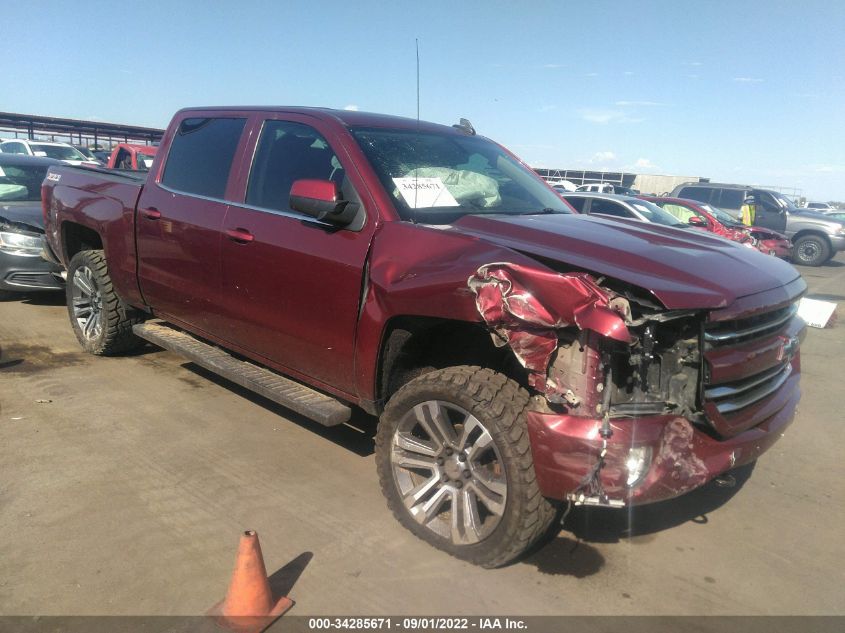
(28, 274)
(777, 247)
(565, 448)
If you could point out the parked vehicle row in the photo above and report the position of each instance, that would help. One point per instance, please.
(124, 155)
(815, 237)
(519, 355)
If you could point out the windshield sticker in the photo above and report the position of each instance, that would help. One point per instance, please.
(423, 193)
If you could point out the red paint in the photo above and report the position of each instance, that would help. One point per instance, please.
(133, 151)
(317, 189)
(526, 306)
(684, 457)
(315, 302)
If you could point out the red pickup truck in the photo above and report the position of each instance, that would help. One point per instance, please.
(132, 156)
(518, 355)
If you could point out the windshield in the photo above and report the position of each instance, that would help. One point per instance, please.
(20, 183)
(60, 152)
(438, 178)
(785, 202)
(723, 216)
(653, 213)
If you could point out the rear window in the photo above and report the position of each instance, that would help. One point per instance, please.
(201, 156)
(702, 194)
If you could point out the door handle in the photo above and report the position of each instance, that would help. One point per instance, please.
(241, 236)
(151, 213)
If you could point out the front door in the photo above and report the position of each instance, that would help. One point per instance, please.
(770, 214)
(292, 285)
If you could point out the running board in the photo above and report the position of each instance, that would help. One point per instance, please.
(315, 405)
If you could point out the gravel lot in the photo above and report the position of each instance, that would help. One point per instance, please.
(125, 482)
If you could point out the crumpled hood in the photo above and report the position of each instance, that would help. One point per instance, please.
(28, 213)
(683, 269)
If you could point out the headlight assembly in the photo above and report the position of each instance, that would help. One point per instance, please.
(20, 244)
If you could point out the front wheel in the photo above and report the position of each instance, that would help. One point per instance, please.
(811, 250)
(455, 465)
(99, 318)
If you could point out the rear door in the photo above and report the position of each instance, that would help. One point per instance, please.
(292, 285)
(730, 200)
(180, 218)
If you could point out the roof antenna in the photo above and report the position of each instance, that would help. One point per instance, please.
(416, 170)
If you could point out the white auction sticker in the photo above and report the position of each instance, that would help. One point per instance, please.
(423, 193)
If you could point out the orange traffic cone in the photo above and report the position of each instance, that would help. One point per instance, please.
(248, 606)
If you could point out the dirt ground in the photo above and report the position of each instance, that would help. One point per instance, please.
(125, 483)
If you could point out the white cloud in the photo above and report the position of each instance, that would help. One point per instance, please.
(748, 80)
(553, 65)
(603, 117)
(591, 74)
(603, 157)
(351, 106)
(628, 73)
(546, 108)
(630, 104)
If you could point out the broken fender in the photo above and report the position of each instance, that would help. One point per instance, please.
(526, 306)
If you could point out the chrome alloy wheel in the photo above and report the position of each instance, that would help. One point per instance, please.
(808, 251)
(87, 303)
(449, 472)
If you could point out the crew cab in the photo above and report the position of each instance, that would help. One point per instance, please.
(518, 356)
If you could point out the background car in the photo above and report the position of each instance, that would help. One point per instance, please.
(21, 226)
(88, 153)
(815, 237)
(709, 218)
(49, 149)
(823, 207)
(621, 207)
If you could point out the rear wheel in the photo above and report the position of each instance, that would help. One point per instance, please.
(101, 321)
(455, 465)
(811, 250)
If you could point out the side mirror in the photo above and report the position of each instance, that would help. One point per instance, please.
(697, 221)
(321, 200)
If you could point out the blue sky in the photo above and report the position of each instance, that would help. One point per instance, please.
(735, 91)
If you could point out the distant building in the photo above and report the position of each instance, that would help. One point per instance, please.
(646, 183)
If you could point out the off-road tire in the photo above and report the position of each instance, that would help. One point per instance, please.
(811, 250)
(499, 404)
(115, 335)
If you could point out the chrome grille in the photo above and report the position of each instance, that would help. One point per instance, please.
(741, 330)
(731, 397)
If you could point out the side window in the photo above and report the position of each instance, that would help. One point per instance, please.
(124, 160)
(606, 207)
(578, 203)
(767, 201)
(287, 152)
(731, 199)
(13, 148)
(201, 156)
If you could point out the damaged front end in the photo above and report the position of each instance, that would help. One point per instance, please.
(618, 416)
